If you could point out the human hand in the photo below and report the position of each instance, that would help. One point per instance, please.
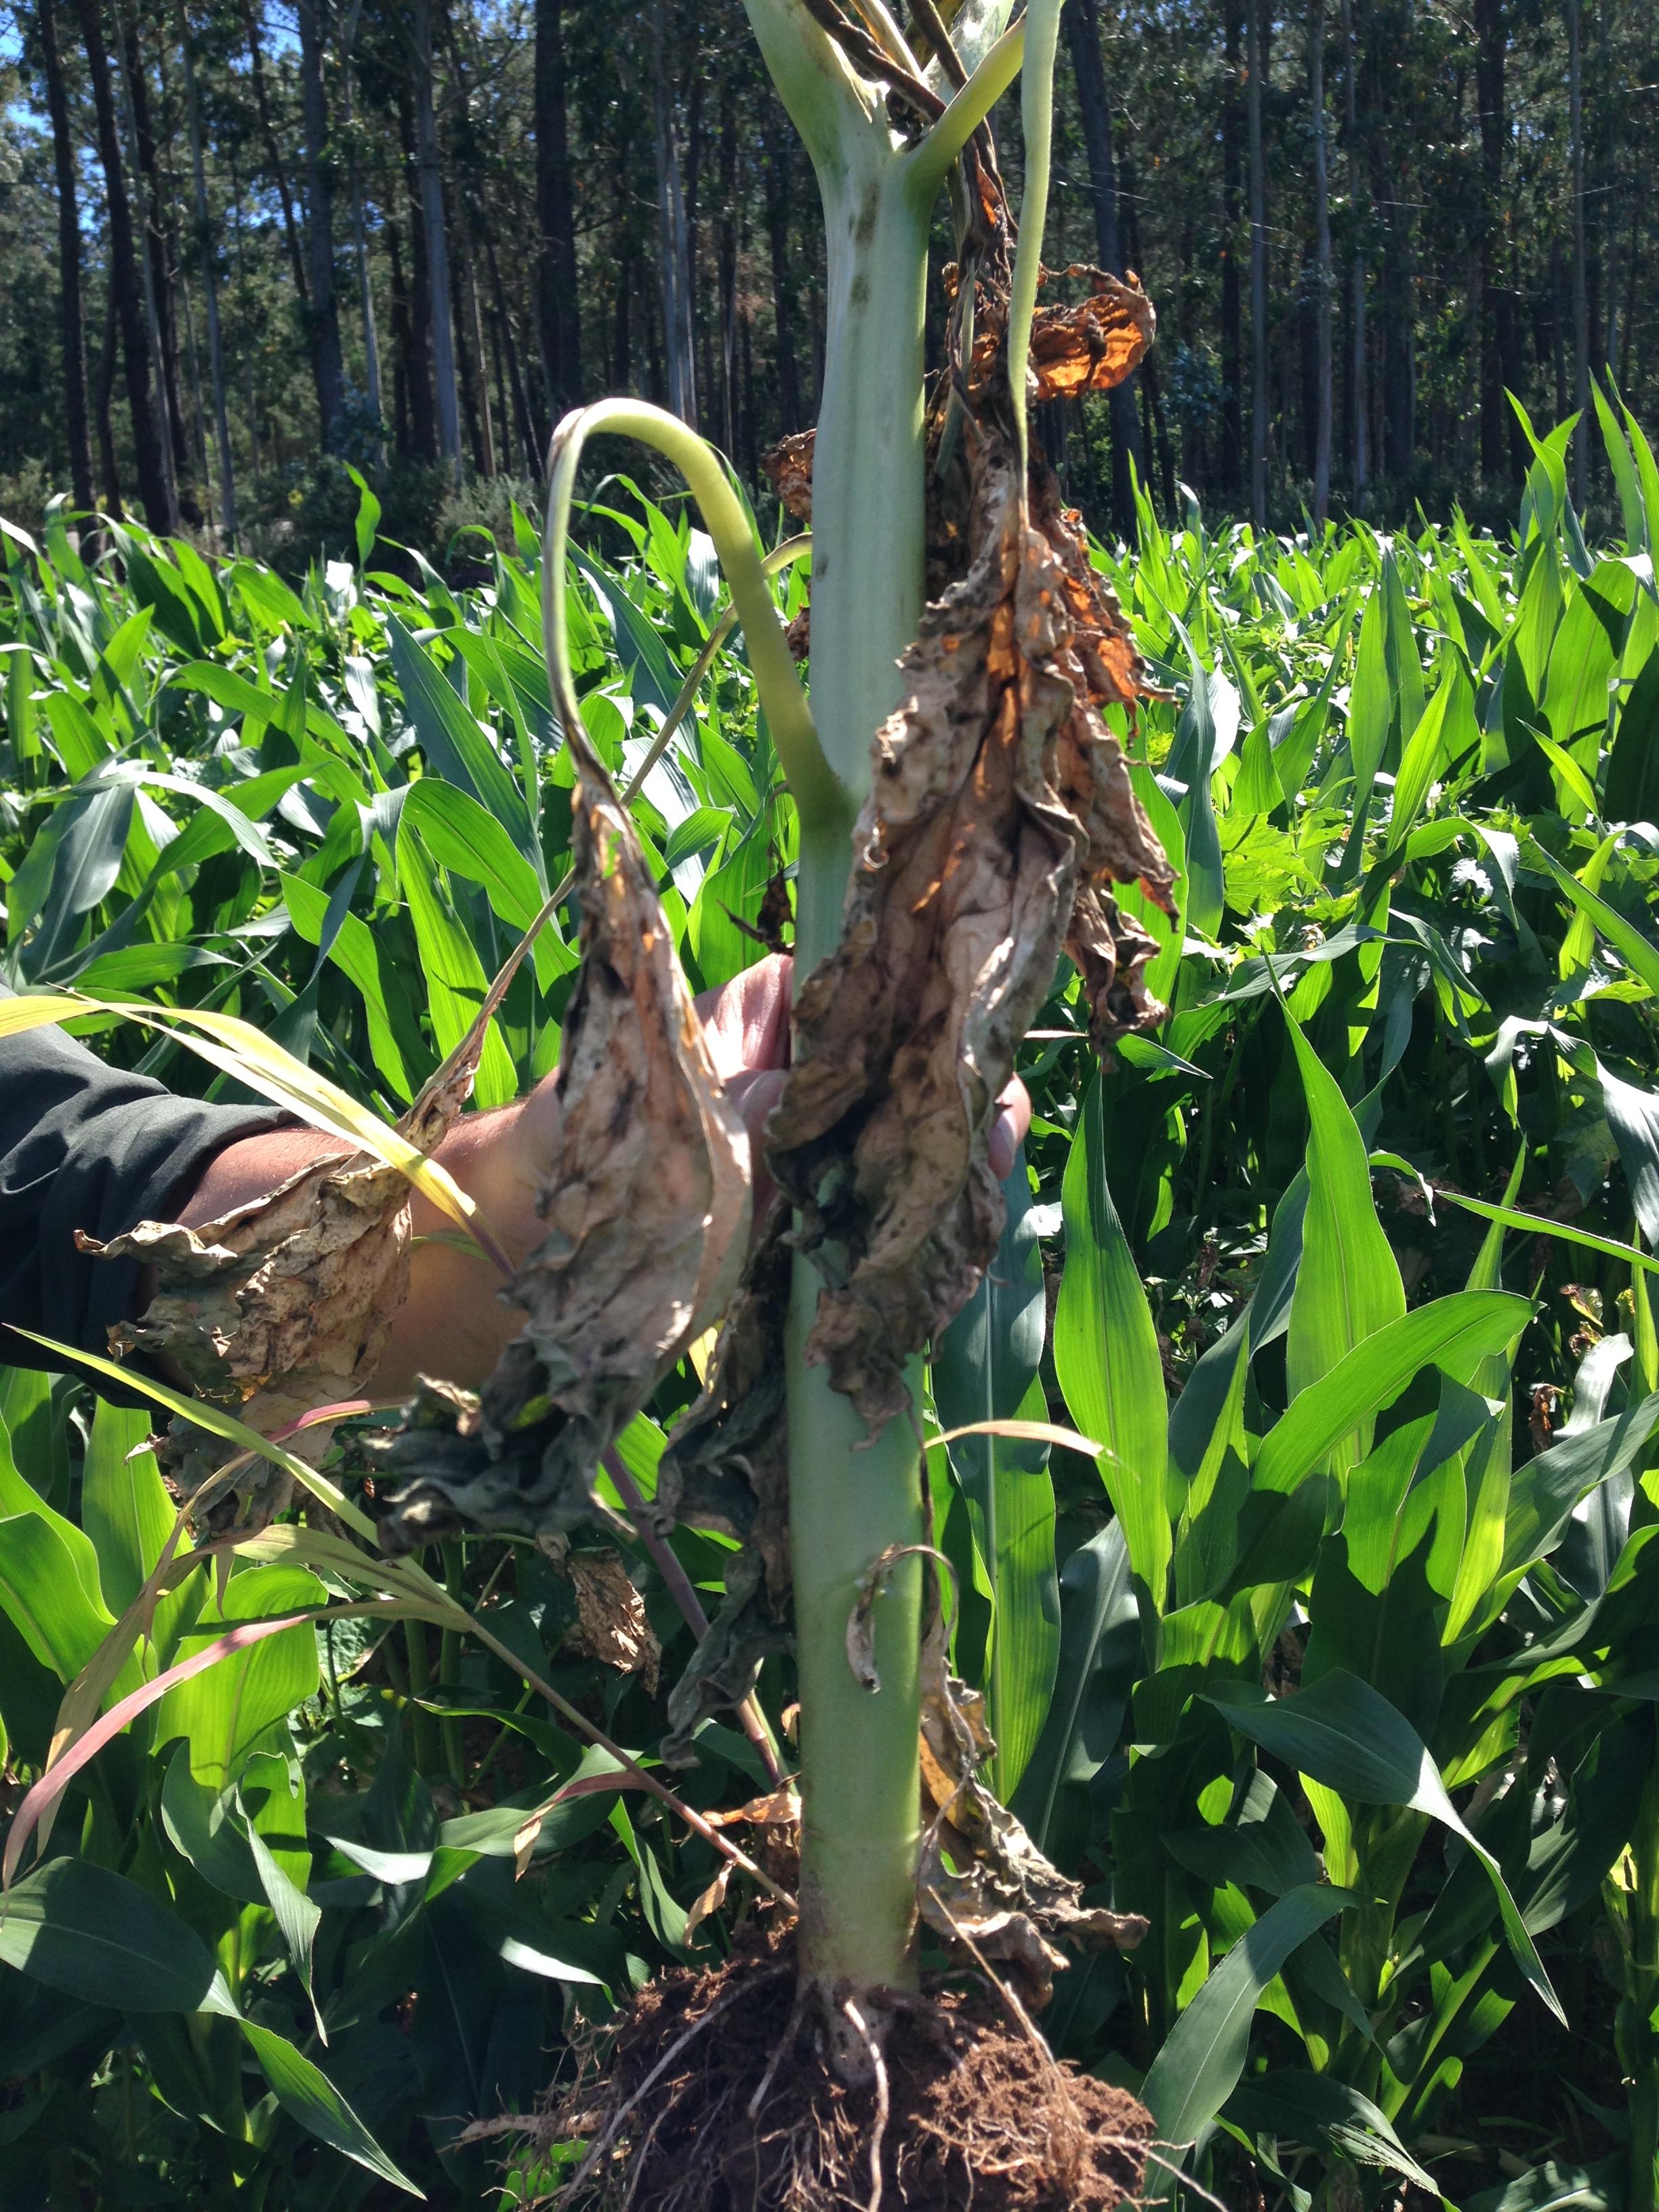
(449, 1324)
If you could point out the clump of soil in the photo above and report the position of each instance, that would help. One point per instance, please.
(720, 2094)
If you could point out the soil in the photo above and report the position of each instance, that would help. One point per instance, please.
(719, 2093)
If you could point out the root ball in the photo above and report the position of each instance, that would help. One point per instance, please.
(721, 2093)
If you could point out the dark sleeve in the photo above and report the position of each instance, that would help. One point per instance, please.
(83, 1145)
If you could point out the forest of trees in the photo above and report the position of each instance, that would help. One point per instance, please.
(243, 242)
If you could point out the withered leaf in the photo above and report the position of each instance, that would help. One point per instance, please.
(726, 1466)
(709, 1901)
(1093, 344)
(1000, 812)
(278, 1308)
(646, 1213)
(611, 1625)
(980, 1874)
(788, 466)
(779, 1809)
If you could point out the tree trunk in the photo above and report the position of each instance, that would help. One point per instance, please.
(1581, 395)
(403, 342)
(210, 290)
(779, 150)
(1232, 304)
(103, 395)
(436, 239)
(621, 328)
(168, 417)
(521, 411)
(678, 336)
(359, 241)
(1258, 272)
(153, 484)
(474, 388)
(726, 257)
(158, 256)
(1155, 434)
(1493, 307)
(1322, 458)
(1083, 34)
(241, 281)
(76, 421)
(419, 434)
(1358, 274)
(274, 153)
(324, 311)
(556, 284)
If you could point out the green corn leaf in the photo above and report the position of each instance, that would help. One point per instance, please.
(457, 745)
(461, 837)
(1107, 1359)
(1347, 1736)
(44, 1597)
(456, 982)
(1324, 2113)
(1639, 952)
(125, 1506)
(1454, 1333)
(99, 1937)
(307, 2095)
(985, 1369)
(1348, 1285)
(223, 1713)
(1198, 2066)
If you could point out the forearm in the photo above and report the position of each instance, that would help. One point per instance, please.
(452, 1324)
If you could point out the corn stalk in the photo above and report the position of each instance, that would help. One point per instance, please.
(883, 133)
(852, 1502)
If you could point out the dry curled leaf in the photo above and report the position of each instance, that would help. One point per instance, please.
(726, 1466)
(980, 1874)
(779, 1809)
(1000, 812)
(282, 1305)
(707, 1901)
(788, 466)
(1089, 345)
(646, 1213)
(611, 1625)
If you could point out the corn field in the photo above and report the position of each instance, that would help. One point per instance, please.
(1302, 1567)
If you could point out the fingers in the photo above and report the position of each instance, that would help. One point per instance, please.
(1008, 1131)
(746, 1022)
(754, 1095)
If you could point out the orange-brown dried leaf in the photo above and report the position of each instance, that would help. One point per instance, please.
(1096, 342)
(788, 466)
(646, 1213)
(1000, 810)
(1087, 345)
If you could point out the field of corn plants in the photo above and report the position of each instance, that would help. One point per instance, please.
(1333, 1655)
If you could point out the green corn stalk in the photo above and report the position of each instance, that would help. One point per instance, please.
(851, 1502)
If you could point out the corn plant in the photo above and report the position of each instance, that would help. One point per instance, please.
(1352, 1256)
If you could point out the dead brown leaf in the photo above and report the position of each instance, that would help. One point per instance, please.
(646, 1208)
(788, 466)
(278, 1308)
(980, 1874)
(780, 1809)
(1088, 346)
(726, 1466)
(611, 1625)
(1000, 813)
